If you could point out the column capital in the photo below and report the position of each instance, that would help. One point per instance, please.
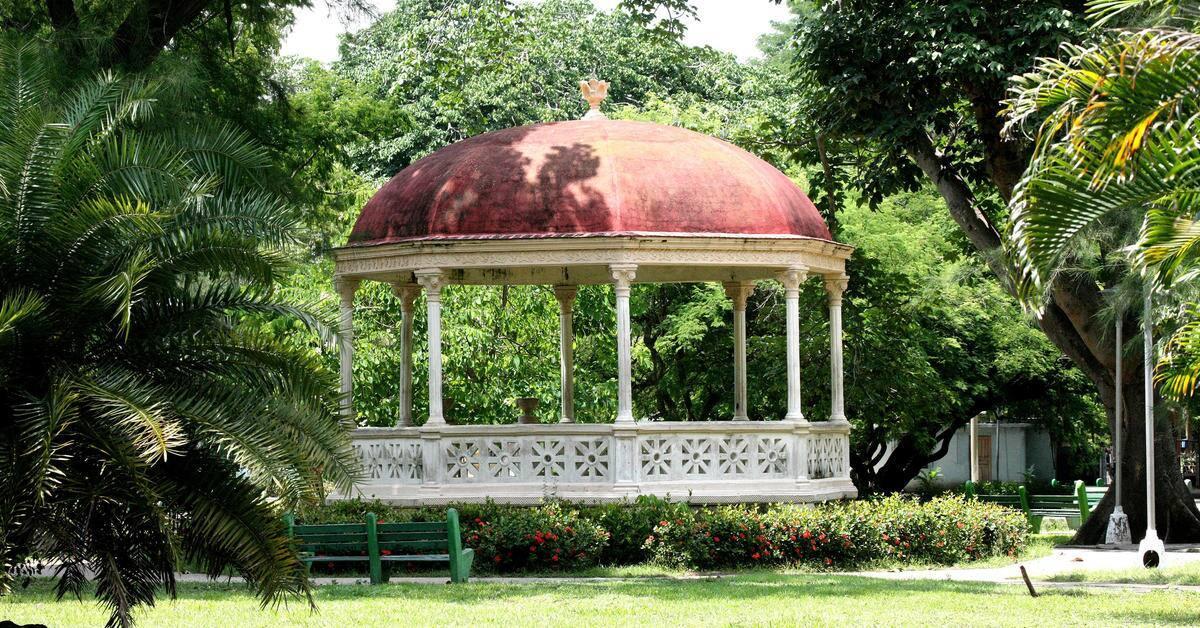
(346, 288)
(407, 293)
(623, 274)
(432, 279)
(793, 277)
(739, 292)
(565, 295)
(835, 285)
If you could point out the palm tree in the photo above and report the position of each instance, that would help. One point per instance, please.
(149, 415)
(1118, 132)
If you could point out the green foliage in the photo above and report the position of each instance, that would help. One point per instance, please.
(841, 535)
(1115, 140)
(142, 382)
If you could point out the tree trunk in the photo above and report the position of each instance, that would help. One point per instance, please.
(1071, 321)
(1177, 517)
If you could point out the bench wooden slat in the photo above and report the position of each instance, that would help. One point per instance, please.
(418, 536)
(333, 528)
(330, 538)
(360, 546)
(413, 545)
(413, 526)
(416, 558)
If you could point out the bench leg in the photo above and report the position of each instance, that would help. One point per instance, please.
(1035, 522)
(464, 566)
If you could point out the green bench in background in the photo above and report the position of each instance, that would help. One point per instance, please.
(376, 543)
(1075, 508)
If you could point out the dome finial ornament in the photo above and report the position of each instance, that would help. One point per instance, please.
(594, 92)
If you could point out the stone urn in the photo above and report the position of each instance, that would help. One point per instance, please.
(527, 405)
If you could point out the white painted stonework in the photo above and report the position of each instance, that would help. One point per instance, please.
(710, 462)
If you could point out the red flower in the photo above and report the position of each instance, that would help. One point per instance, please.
(386, 552)
(960, 525)
(532, 549)
(662, 523)
(716, 539)
(497, 558)
(808, 535)
(822, 537)
(885, 536)
(828, 561)
(756, 556)
(554, 558)
(792, 537)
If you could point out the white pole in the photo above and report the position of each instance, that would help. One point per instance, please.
(346, 289)
(1118, 521)
(973, 448)
(1151, 548)
(432, 280)
(791, 280)
(565, 295)
(407, 294)
(739, 293)
(623, 275)
(835, 285)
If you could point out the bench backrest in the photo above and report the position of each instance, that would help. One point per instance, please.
(372, 537)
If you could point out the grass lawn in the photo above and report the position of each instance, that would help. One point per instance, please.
(1188, 574)
(756, 598)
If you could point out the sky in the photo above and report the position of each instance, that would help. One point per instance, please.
(729, 25)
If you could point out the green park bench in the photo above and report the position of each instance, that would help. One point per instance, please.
(1075, 508)
(378, 543)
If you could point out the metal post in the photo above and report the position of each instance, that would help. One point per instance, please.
(1151, 548)
(1118, 522)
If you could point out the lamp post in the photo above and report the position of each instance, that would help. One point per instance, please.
(1151, 548)
(1118, 522)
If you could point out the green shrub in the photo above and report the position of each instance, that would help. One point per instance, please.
(840, 535)
(629, 524)
(546, 537)
(560, 535)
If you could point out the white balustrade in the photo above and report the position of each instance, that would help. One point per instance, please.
(708, 462)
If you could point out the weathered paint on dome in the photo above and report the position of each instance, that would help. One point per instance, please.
(587, 178)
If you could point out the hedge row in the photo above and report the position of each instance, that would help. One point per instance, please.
(837, 535)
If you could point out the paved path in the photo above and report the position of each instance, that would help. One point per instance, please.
(1063, 560)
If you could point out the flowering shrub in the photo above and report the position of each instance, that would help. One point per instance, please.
(839, 535)
(544, 537)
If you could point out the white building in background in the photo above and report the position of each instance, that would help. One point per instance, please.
(1006, 452)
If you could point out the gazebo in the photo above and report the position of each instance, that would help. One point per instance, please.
(583, 202)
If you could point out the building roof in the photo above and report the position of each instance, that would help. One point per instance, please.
(593, 177)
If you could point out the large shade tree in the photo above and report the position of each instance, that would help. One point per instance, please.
(1114, 130)
(151, 415)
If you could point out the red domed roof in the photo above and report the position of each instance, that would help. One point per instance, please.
(587, 178)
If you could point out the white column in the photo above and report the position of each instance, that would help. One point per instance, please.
(835, 285)
(1151, 547)
(739, 292)
(623, 275)
(565, 295)
(407, 293)
(346, 289)
(432, 279)
(973, 448)
(791, 280)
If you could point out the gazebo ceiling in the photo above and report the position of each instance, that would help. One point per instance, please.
(587, 178)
